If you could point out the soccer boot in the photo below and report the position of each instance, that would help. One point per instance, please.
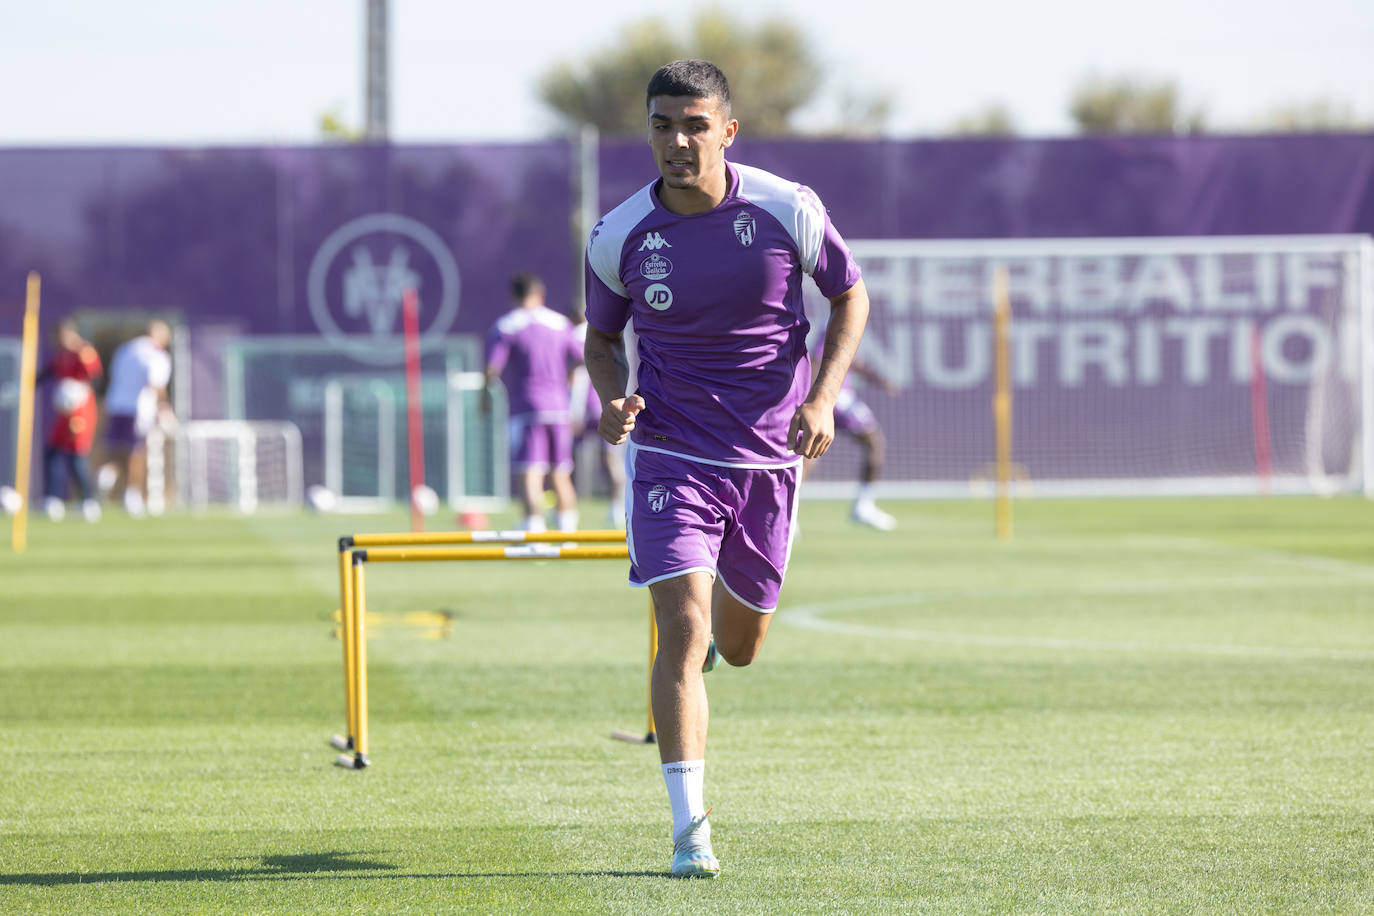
(692, 856)
(871, 515)
(712, 658)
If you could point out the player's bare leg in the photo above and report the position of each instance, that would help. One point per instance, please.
(682, 610)
(738, 629)
(532, 493)
(865, 509)
(135, 475)
(566, 499)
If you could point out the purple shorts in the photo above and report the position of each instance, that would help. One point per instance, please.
(852, 415)
(539, 446)
(735, 523)
(122, 431)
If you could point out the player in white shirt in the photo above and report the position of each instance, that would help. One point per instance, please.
(137, 393)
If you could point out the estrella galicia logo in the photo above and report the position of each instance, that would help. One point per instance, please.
(745, 228)
(655, 267)
(359, 277)
(658, 297)
(658, 497)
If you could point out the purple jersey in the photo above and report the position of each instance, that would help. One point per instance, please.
(716, 300)
(533, 349)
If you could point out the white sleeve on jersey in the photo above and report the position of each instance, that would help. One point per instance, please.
(795, 206)
(607, 241)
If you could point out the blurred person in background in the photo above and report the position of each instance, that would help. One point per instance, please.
(856, 419)
(73, 370)
(586, 414)
(532, 350)
(140, 371)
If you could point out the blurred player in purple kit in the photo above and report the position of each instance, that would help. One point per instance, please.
(532, 350)
(855, 418)
(586, 415)
(708, 262)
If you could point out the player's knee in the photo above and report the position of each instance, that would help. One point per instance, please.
(739, 655)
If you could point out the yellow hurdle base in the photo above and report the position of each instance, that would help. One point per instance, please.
(447, 547)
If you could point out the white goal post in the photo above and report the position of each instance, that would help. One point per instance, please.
(1140, 366)
(245, 464)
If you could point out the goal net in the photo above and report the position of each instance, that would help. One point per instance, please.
(352, 418)
(1163, 365)
(365, 442)
(9, 406)
(241, 464)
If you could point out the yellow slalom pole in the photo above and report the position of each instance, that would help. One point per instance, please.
(651, 736)
(346, 617)
(1001, 399)
(360, 661)
(28, 368)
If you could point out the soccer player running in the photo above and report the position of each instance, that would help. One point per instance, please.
(708, 261)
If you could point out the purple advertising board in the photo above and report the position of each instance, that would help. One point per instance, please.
(288, 240)
(316, 243)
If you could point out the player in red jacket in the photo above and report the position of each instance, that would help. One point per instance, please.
(67, 448)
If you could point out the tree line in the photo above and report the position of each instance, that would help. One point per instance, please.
(774, 73)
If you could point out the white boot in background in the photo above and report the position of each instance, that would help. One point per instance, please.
(867, 513)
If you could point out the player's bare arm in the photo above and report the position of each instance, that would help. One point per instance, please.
(813, 426)
(608, 369)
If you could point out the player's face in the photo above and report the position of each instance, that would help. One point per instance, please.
(689, 136)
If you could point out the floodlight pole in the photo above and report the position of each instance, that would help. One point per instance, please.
(378, 89)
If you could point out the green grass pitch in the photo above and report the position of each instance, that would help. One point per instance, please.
(1133, 706)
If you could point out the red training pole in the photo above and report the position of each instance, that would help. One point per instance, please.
(410, 314)
(1259, 412)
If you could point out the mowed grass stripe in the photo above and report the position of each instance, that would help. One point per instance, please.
(851, 773)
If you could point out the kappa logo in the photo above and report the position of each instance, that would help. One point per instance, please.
(655, 267)
(745, 228)
(658, 497)
(653, 242)
(658, 297)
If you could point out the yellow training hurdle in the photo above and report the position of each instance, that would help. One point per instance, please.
(445, 547)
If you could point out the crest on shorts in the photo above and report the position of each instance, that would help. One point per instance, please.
(658, 497)
(745, 228)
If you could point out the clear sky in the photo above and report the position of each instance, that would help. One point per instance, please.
(255, 71)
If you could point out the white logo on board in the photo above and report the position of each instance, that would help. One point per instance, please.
(359, 275)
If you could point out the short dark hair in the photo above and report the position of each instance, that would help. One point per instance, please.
(699, 79)
(524, 283)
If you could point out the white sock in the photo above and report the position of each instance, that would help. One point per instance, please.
(685, 780)
(567, 520)
(865, 495)
(534, 523)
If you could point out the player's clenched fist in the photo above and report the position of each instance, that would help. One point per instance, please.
(618, 418)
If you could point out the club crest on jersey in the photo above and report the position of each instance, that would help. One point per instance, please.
(658, 297)
(655, 267)
(745, 228)
(658, 497)
(653, 242)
